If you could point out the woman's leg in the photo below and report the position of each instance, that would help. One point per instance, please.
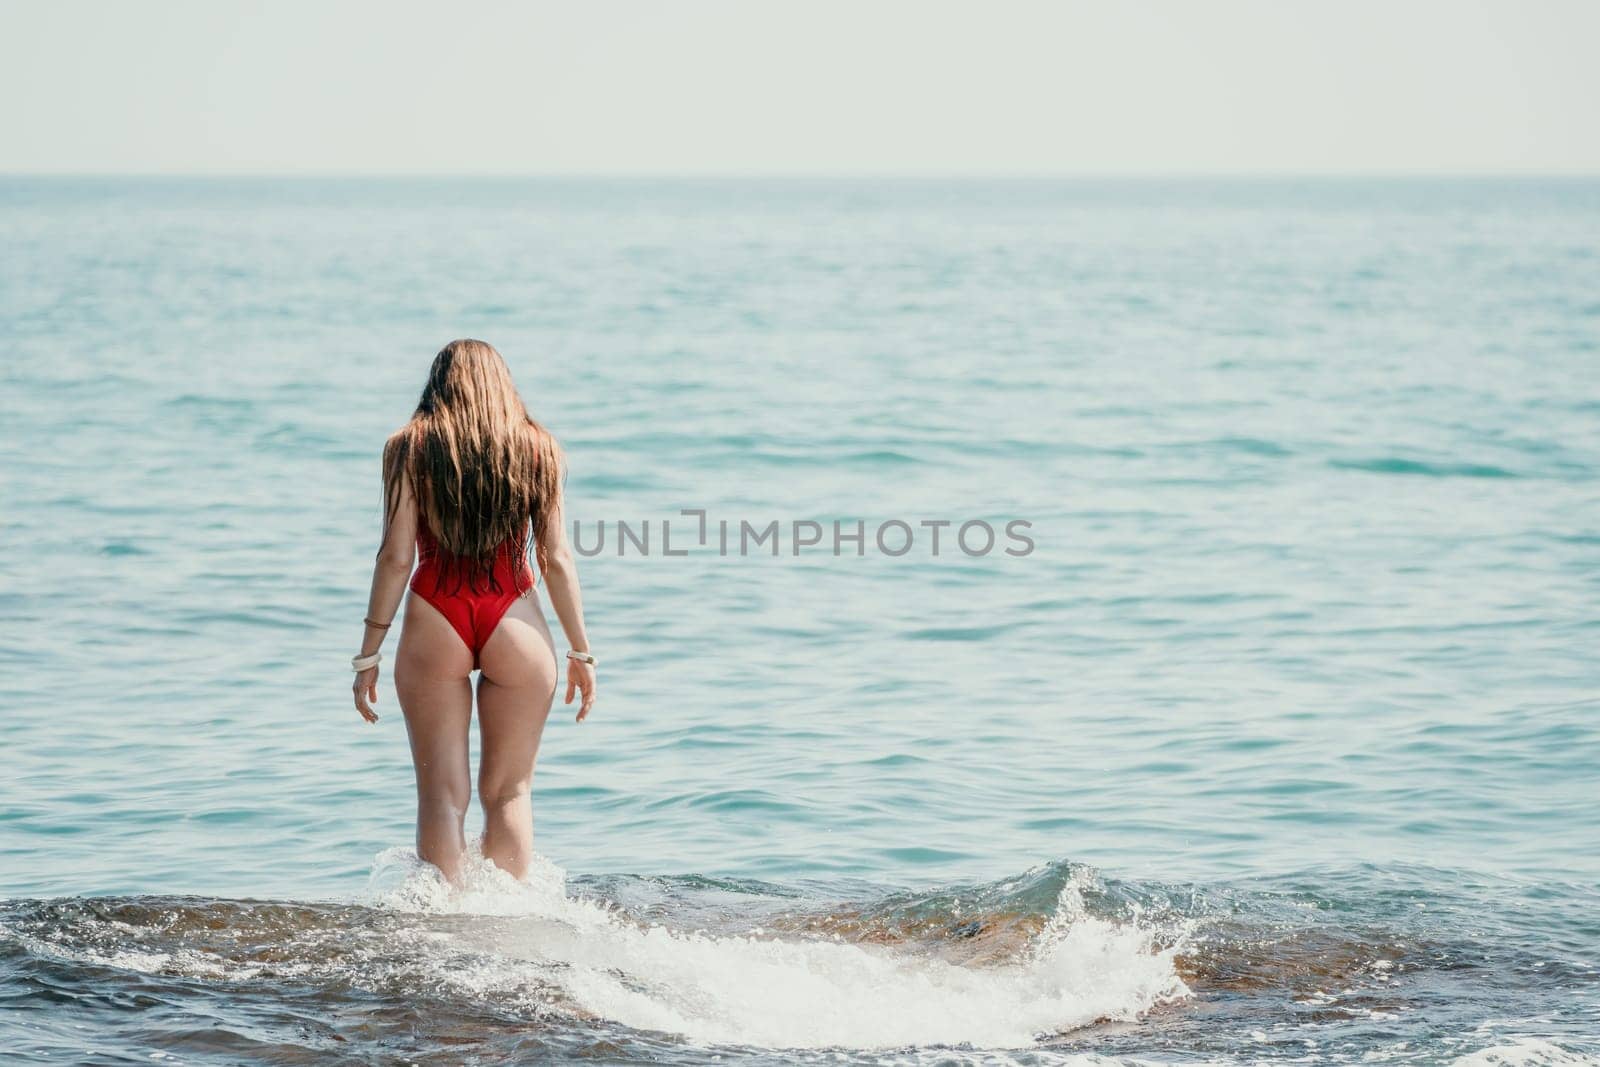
(515, 689)
(430, 678)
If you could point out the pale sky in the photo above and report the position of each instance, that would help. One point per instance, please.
(803, 87)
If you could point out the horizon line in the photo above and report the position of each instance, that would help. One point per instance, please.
(781, 175)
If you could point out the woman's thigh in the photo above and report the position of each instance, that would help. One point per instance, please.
(515, 690)
(431, 672)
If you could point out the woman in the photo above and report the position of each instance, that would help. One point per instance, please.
(467, 483)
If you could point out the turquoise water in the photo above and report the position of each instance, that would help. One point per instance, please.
(1280, 746)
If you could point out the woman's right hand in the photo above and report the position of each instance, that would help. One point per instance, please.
(580, 676)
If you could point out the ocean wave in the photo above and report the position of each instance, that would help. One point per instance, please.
(1402, 465)
(1002, 966)
(799, 983)
(1055, 964)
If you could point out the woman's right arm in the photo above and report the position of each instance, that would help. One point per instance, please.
(561, 579)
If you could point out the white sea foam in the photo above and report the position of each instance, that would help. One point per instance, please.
(792, 992)
(1527, 1052)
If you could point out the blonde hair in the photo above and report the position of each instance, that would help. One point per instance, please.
(482, 470)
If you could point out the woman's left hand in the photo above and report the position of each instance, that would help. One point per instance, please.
(580, 678)
(366, 691)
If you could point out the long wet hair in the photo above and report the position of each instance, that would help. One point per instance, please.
(482, 470)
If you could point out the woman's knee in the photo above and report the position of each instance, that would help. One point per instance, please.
(494, 795)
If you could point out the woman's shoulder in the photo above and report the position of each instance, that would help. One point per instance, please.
(394, 454)
(543, 440)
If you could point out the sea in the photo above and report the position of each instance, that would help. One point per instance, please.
(1246, 711)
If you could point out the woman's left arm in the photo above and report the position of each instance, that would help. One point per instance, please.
(390, 573)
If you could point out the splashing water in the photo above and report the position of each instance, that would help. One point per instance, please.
(777, 992)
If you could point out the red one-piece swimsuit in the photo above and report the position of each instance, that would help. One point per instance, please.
(473, 613)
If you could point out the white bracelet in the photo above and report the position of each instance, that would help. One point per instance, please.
(583, 657)
(365, 663)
